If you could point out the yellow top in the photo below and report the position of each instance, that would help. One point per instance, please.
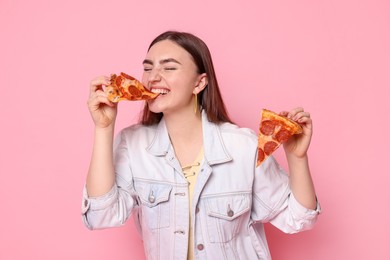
(191, 173)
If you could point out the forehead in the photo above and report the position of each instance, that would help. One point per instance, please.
(168, 49)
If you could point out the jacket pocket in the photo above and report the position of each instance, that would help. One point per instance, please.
(224, 216)
(155, 204)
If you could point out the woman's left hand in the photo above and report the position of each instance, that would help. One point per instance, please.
(298, 144)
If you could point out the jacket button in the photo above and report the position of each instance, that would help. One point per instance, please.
(85, 203)
(230, 213)
(152, 199)
(200, 247)
(197, 210)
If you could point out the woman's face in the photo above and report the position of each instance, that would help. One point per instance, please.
(170, 70)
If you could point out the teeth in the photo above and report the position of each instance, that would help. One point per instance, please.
(160, 91)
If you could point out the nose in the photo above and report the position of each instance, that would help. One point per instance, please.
(154, 75)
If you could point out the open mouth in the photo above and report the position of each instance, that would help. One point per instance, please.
(160, 91)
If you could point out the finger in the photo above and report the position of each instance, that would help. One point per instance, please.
(304, 120)
(283, 113)
(99, 102)
(301, 115)
(97, 83)
(99, 98)
(294, 111)
(97, 92)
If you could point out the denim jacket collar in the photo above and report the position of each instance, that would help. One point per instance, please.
(160, 143)
(214, 147)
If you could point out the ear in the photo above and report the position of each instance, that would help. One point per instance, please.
(201, 83)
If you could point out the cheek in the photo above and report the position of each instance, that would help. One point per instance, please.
(144, 79)
(188, 81)
(185, 87)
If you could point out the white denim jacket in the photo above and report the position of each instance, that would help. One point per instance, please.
(232, 197)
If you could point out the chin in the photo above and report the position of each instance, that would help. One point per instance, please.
(154, 107)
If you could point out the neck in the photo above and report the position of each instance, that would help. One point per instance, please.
(186, 134)
(184, 125)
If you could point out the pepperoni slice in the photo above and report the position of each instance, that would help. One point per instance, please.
(282, 136)
(270, 147)
(268, 127)
(118, 81)
(260, 156)
(145, 97)
(135, 91)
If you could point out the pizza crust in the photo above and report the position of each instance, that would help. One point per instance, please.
(287, 123)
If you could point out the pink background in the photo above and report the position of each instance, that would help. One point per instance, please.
(331, 57)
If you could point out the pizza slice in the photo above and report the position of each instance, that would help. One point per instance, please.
(125, 87)
(273, 131)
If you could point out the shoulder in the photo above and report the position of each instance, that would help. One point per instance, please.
(138, 129)
(137, 132)
(237, 138)
(232, 130)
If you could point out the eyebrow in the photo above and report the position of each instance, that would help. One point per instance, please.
(146, 61)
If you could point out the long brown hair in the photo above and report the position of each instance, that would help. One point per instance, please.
(210, 98)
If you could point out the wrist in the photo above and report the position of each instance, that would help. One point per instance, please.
(104, 131)
(298, 156)
(105, 128)
(291, 157)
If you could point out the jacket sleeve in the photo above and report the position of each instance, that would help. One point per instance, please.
(115, 207)
(274, 202)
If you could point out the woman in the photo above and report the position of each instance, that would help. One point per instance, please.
(186, 173)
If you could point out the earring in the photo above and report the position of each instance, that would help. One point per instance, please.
(196, 103)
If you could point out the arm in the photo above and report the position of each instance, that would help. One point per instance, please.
(274, 201)
(105, 204)
(101, 175)
(300, 181)
(296, 152)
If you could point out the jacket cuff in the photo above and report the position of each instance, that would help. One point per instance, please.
(100, 202)
(302, 212)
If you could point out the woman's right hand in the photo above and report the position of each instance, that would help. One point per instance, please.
(102, 110)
